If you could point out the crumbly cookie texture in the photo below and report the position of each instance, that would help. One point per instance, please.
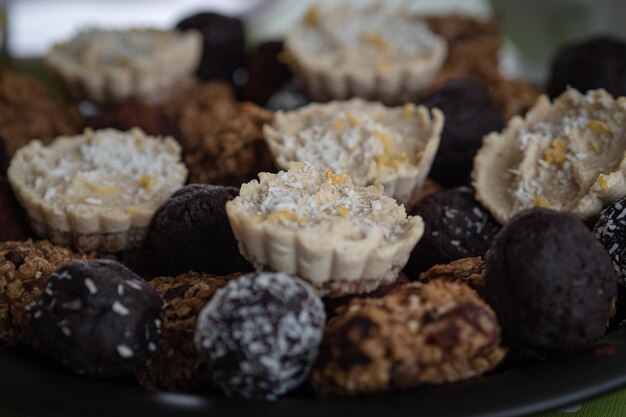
(567, 155)
(222, 139)
(473, 50)
(176, 365)
(430, 333)
(370, 52)
(96, 191)
(368, 141)
(470, 271)
(112, 65)
(340, 237)
(28, 111)
(24, 271)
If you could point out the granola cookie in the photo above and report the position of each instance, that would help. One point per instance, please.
(470, 271)
(176, 364)
(420, 334)
(222, 139)
(28, 111)
(24, 270)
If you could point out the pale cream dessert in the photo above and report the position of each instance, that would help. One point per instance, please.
(370, 52)
(394, 146)
(567, 155)
(109, 65)
(97, 191)
(340, 237)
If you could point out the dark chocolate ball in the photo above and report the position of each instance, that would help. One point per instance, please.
(134, 113)
(599, 62)
(550, 282)
(288, 97)
(469, 114)
(191, 232)
(456, 226)
(98, 318)
(223, 44)
(260, 334)
(610, 230)
(266, 73)
(4, 159)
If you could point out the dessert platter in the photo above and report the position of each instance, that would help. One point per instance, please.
(373, 220)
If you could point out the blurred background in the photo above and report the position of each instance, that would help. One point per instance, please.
(533, 28)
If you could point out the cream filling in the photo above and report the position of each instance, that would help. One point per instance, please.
(370, 144)
(566, 156)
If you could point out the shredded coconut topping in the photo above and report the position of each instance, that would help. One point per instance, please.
(304, 198)
(107, 168)
(370, 142)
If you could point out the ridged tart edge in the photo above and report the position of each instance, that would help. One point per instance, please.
(332, 268)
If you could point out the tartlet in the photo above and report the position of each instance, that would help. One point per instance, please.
(567, 155)
(109, 65)
(369, 52)
(368, 141)
(339, 237)
(97, 191)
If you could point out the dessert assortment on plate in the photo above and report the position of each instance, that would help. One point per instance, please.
(374, 207)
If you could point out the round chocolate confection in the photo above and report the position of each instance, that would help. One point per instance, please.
(470, 114)
(134, 113)
(610, 230)
(598, 62)
(550, 282)
(457, 226)
(223, 45)
(191, 232)
(266, 72)
(260, 334)
(98, 318)
(4, 159)
(288, 97)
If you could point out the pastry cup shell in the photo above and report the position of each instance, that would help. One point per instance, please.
(87, 228)
(500, 152)
(402, 185)
(397, 85)
(334, 267)
(147, 78)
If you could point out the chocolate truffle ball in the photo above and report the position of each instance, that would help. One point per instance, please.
(610, 230)
(223, 44)
(288, 97)
(4, 159)
(191, 232)
(598, 62)
(266, 73)
(260, 334)
(134, 113)
(470, 114)
(456, 226)
(98, 318)
(550, 282)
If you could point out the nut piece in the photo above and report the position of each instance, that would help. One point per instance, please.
(420, 334)
(470, 271)
(176, 364)
(24, 270)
